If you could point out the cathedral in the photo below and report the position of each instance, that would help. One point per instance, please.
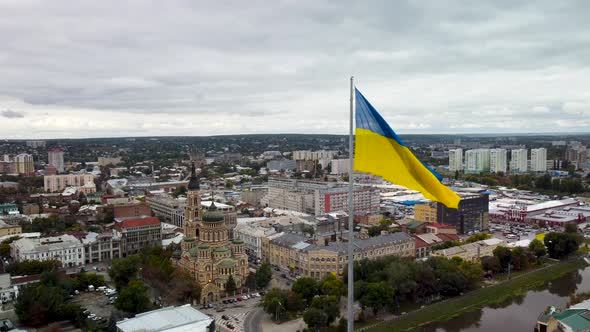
(207, 252)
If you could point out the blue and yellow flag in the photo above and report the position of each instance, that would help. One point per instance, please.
(379, 151)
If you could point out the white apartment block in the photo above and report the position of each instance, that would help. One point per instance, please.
(340, 166)
(456, 160)
(498, 160)
(252, 236)
(64, 248)
(57, 183)
(336, 199)
(539, 160)
(477, 161)
(314, 155)
(56, 158)
(518, 162)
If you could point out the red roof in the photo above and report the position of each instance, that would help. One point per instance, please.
(137, 222)
(438, 225)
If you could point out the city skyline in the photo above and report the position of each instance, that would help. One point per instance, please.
(178, 69)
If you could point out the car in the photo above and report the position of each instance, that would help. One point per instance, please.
(246, 297)
(224, 301)
(230, 326)
(91, 316)
(224, 317)
(284, 275)
(262, 293)
(239, 299)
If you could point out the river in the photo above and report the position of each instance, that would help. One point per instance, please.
(519, 313)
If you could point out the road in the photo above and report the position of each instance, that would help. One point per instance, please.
(252, 321)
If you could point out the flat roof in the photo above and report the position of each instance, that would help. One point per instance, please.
(164, 319)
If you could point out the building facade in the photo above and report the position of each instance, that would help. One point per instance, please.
(55, 157)
(518, 161)
(101, 247)
(339, 166)
(24, 164)
(425, 212)
(139, 233)
(66, 249)
(498, 160)
(57, 183)
(477, 161)
(292, 252)
(472, 214)
(455, 160)
(208, 254)
(539, 160)
(253, 235)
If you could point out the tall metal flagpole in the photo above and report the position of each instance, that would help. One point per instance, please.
(350, 296)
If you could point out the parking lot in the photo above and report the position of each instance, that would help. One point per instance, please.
(96, 302)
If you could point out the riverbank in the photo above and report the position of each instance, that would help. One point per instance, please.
(495, 294)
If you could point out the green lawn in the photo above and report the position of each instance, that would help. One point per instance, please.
(477, 299)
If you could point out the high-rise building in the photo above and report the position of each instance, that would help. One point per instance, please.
(24, 164)
(56, 158)
(518, 161)
(340, 166)
(456, 160)
(498, 159)
(577, 154)
(539, 160)
(477, 161)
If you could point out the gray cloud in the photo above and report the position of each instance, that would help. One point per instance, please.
(12, 114)
(110, 68)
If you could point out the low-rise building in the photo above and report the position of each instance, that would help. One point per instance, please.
(425, 212)
(425, 242)
(253, 235)
(294, 252)
(471, 251)
(101, 247)
(55, 183)
(170, 319)
(139, 233)
(9, 208)
(9, 229)
(64, 248)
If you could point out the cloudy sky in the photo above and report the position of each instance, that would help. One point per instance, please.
(143, 68)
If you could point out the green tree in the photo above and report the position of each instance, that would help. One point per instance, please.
(571, 228)
(332, 286)
(251, 281)
(230, 285)
(124, 270)
(377, 296)
(560, 245)
(307, 287)
(478, 237)
(504, 256)
(133, 298)
(274, 303)
(328, 305)
(537, 248)
(315, 319)
(263, 275)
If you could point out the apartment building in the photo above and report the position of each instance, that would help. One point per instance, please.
(477, 161)
(55, 158)
(253, 235)
(24, 164)
(498, 160)
(456, 160)
(518, 161)
(539, 160)
(57, 183)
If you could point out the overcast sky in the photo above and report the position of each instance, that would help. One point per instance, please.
(145, 68)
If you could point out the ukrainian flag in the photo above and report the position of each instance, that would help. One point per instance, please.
(379, 151)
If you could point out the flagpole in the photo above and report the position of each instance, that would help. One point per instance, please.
(350, 296)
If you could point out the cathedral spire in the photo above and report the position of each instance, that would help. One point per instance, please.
(193, 183)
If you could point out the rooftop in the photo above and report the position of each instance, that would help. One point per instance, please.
(184, 318)
(137, 222)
